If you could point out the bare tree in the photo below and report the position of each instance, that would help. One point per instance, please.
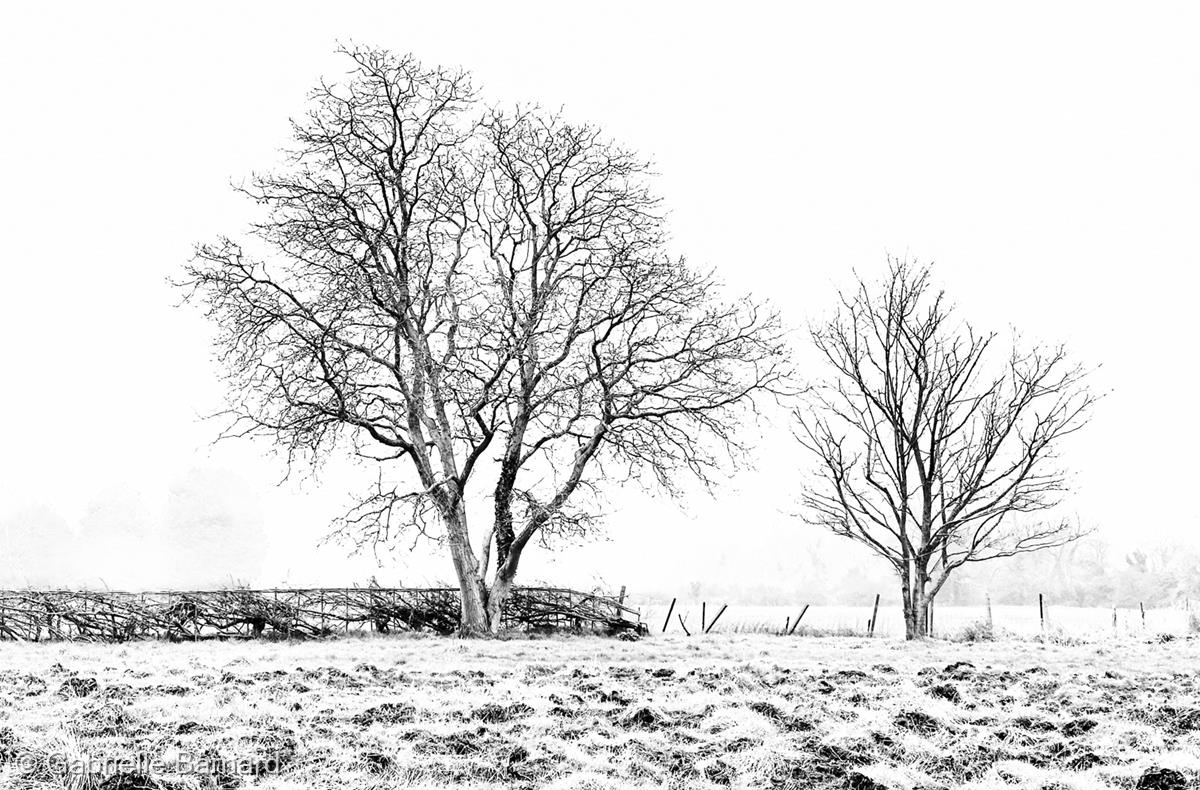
(927, 452)
(461, 292)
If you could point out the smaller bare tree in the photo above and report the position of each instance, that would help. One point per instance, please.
(927, 452)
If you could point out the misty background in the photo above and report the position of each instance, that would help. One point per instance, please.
(1055, 189)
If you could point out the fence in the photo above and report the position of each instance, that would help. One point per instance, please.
(39, 615)
(951, 621)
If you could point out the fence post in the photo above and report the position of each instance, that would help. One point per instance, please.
(799, 617)
(703, 616)
(621, 597)
(720, 612)
(990, 621)
(874, 614)
(1143, 608)
(1042, 611)
(1114, 621)
(670, 609)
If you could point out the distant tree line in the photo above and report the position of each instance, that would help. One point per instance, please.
(1089, 572)
(207, 532)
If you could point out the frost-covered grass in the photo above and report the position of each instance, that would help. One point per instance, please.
(727, 710)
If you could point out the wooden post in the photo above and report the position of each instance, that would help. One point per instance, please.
(715, 619)
(1114, 621)
(1143, 608)
(670, 609)
(1042, 611)
(799, 617)
(703, 617)
(786, 623)
(621, 597)
(991, 623)
(874, 614)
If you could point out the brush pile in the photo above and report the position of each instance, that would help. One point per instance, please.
(42, 615)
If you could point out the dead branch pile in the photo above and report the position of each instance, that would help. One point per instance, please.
(108, 616)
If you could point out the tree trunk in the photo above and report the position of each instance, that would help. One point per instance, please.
(907, 605)
(497, 597)
(474, 616)
(916, 618)
(916, 605)
(474, 621)
(502, 585)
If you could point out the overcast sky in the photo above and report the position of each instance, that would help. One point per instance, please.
(1044, 157)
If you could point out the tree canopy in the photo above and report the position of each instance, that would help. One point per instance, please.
(459, 291)
(930, 450)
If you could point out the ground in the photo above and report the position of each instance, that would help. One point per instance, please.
(726, 710)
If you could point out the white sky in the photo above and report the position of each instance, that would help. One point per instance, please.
(1044, 156)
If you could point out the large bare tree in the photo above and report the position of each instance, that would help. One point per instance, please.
(459, 292)
(930, 451)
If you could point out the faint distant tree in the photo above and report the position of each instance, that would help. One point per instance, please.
(38, 549)
(1160, 574)
(465, 293)
(116, 541)
(213, 526)
(927, 452)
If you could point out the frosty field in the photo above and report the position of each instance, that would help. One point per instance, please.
(729, 710)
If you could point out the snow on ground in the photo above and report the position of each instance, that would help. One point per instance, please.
(727, 710)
